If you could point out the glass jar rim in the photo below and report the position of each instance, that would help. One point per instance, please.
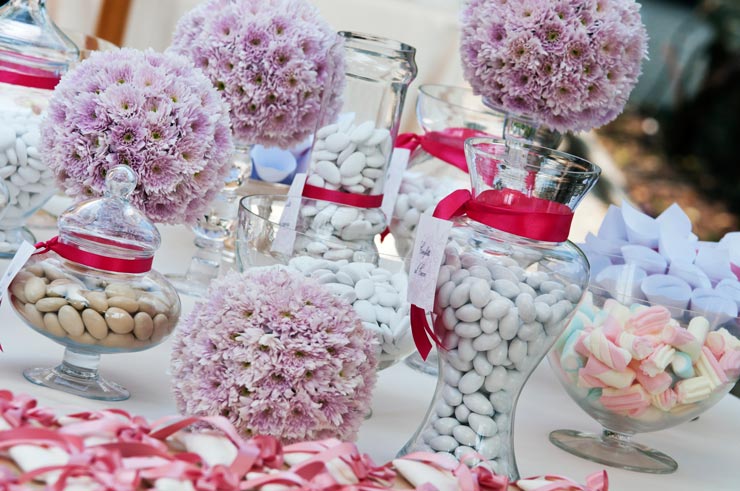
(588, 167)
(425, 89)
(377, 44)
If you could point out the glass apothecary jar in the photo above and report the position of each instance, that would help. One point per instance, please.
(92, 290)
(34, 54)
(507, 286)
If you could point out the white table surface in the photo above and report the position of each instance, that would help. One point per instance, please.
(707, 450)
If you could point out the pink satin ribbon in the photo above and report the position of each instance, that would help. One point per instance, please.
(507, 210)
(97, 261)
(342, 198)
(14, 74)
(447, 145)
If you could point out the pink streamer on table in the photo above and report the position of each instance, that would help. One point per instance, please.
(447, 145)
(19, 410)
(503, 209)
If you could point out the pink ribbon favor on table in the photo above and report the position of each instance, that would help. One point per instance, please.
(507, 210)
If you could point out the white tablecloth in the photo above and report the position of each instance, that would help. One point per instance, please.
(707, 450)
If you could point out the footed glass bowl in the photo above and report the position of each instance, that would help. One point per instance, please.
(637, 365)
(374, 283)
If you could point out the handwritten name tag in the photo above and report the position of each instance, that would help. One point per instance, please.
(426, 259)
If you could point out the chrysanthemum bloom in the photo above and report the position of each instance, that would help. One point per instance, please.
(570, 64)
(274, 62)
(151, 111)
(277, 354)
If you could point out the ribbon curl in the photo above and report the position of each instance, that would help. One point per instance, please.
(447, 145)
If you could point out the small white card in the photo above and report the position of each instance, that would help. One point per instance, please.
(25, 251)
(429, 249)
(393, 178)
(285, 235)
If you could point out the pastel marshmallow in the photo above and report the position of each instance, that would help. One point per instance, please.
(716, 343)
(666, 400)
(649, 321)
(639, 347)
(708, 366)
(611, 378)
(570, 360)
(730, 363)
(625, 400)
(699, 327)
(681, 339)
(682, 365)
(658, 360)
(607, 352)
(654, 385)
(693, 390)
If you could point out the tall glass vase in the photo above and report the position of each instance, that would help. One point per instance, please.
(505, 292)
(214, 229)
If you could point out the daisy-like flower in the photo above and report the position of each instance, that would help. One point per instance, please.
(276, 354)
(276, 62)
(153, 112)
(570, 64)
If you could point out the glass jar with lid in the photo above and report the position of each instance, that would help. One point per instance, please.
(93, 290)
(34, 54)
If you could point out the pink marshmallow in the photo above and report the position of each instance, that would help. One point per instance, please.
(666, 400)
(586, 381)
(682, 340)
(658, 360)
(716, 343)
(654, 385)
(649, 321)
(629, 399)
(607, 352)
(580, 348)
(612, 378)
(612, 328)
(639, 347)
(730, 363)
(708, 366)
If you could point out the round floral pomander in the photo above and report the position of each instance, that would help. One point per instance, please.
(277, 354)
(570, 64)
(153, 112)
(274, 62)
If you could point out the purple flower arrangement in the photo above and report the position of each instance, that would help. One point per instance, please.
(570, 64)
(273, 61)
(277, 354)
(153, 112)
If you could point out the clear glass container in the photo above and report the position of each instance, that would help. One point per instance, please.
(374, 283)
(34, 54)
(93, 291)
(502, 299)
(350, 156)
(645, 353)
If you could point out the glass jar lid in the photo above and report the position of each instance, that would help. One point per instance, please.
(110, 225)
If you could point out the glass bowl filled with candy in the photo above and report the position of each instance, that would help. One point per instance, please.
(647, 350)
(373, 283)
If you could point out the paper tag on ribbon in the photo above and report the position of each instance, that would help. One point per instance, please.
(393, 178)
(285, 235)
(426, 259)
(25, 251)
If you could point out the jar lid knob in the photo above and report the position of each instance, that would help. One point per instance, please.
(120, 182)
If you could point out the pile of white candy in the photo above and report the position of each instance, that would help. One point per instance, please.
(350, 158)
(499, 320)
(377, 295)
(28, 180)
(418, 195)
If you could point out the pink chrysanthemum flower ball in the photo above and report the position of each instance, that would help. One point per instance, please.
(570, 64)
(277, 354)
(151, 111)
(273, 61)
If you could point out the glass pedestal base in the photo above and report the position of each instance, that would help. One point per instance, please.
(614, 449)
(83, 381)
